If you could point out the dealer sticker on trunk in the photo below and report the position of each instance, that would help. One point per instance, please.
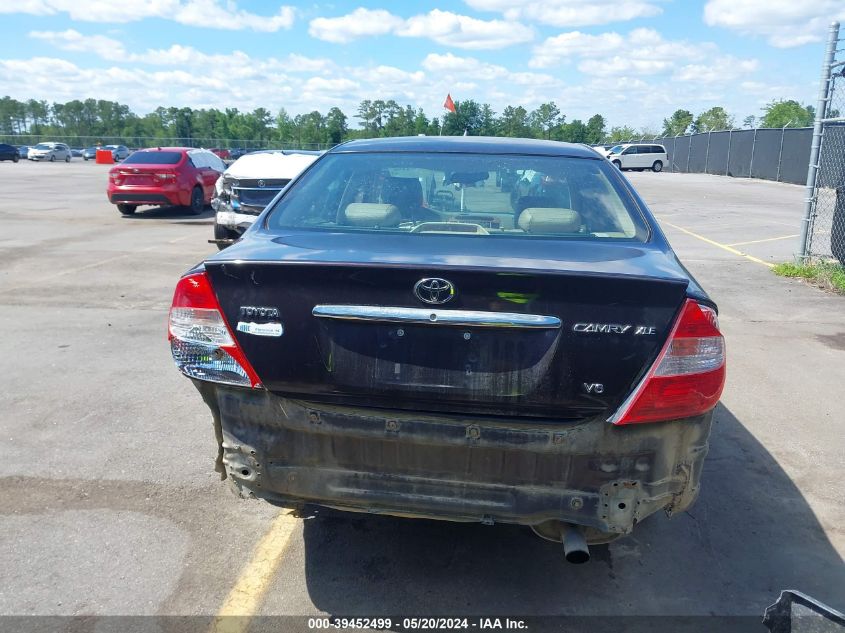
(260, 329)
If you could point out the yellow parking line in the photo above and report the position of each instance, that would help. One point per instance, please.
(770, 239)
(725, 247)
(246, 596)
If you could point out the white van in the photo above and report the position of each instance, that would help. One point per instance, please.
(638, 156)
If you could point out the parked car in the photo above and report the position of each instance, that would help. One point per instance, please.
(9, 152)
(178, 176)
(249, 184)
(23, 151)
(236, 153)
(49, 151)
(76, 152)
(638, 156)
(221, 153)
(118, 152)
(89, 153)
(365, 347)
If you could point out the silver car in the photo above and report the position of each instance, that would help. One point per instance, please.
(119, 152)
(50, 151)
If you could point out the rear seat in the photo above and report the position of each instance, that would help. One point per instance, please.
(371, 215)
(544, 220)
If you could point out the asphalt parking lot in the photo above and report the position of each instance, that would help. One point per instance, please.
(109, 504)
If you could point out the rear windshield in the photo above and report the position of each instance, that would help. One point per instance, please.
(469, 194)
(43, 146)
(154, 158)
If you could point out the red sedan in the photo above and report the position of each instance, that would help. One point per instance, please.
(165, 176)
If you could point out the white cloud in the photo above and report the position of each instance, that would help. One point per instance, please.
(196, 13)
(234, 63)
(461, 31)
(74, 41)
(570, 13)
(639, 53)
(443, 27)
(784, 23)
(360, 23)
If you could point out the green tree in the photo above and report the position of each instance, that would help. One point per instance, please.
(465, 119)
(595, 129)
(678, 123)
(750, 121)
(716, 118)
(514, 122)
(621, 133)
(545, 119)
(487, 121)
(573, 132)
(336, 127)
(787, 114)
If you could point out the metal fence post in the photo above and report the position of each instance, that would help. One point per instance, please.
(728, 161)
(821, 113)
(707, 153)
(780, 152)
(689, 150)
(753, 146)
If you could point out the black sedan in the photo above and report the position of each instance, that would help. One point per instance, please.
(9, 152)
(397, 334)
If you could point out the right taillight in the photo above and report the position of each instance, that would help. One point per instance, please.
(201, 342)
(688, 376)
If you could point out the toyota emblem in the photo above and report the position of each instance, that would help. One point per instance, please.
(434, 290)
(261, 183)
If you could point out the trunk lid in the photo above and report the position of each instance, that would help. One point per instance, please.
(610, 326)
(143, 175)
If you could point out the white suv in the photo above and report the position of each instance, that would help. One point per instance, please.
(638, 156)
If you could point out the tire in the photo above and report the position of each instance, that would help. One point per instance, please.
(67, 158)
(52, 158)
(224, 233)
(658, 166)
(126, 209)
(197, 201)
(618, 164)
(85, 158)
(15, 158)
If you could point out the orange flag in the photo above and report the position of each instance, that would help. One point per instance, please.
(449, 104)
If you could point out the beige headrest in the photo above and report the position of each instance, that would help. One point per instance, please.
(549, 220)
(371, 214)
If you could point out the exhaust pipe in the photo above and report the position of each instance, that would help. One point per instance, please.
(575, 547)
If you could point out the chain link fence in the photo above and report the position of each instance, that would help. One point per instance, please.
(140, 142)
(823, 232)
(779, 154)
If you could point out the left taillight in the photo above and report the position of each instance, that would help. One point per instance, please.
(688, 376)
(201, 342)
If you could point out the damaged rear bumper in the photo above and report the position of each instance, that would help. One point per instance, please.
(590, 473)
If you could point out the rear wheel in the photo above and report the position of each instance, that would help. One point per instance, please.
(658, 166)
(224, 233)
(15, 158)
(618, 164)
(67, 158)
(126, 209)
(197, 201)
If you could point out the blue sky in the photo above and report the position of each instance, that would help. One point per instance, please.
(635, 61)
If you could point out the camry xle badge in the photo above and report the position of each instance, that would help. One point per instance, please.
(613, 328)
(434, 290)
